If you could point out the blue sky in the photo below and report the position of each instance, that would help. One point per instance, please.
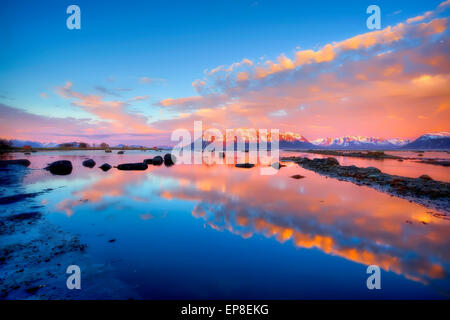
(173, 42)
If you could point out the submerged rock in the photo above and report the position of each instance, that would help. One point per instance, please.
(444, 163)
(244, 165)
(105, 167)
(89, 163)
(132, 166)
(425, 177)
(21, 162)
(61, 167)
(25, 216)
(297, 176)
(158, 160)
(120, 152)
(169, 159)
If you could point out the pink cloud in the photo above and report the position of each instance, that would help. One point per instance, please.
(114, 112)
(398, 86)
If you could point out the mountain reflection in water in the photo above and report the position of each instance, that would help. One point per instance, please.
(339, 219)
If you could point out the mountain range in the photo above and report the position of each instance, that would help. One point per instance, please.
(358, 142)
(291, 140)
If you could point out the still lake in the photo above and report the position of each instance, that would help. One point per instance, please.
(220, 232)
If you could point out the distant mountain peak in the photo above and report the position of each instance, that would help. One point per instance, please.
(436, 135)
(436, 140)
(359, 142)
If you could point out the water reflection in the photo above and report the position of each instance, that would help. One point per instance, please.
(340, 219)
(408, 168)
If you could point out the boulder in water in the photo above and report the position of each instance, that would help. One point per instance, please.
(277, 165)
(61, 167)
(244, 165)
(105, 167)
(89, 163)
(157, 161)
(148, 161)
(132, 166)
(169, 159)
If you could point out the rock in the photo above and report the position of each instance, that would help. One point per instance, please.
(21, 162)
(105, 167)
(169, 159)
(132, 166)
(148, 161)
(373, 170)
(444, 163)
(107, 150)
(61, 167)
(33, 290)
(423, 190)
(89, 163)
(120, 152)
(277, 165)
(244, 165)
(157, 161)
(297, 176)
(27, 153)
(34, 215)
(332, 161)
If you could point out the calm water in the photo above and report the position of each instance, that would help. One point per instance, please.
(198, 231)
(408, 168)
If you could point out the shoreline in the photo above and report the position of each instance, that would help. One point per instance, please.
(379, 155)
(430, 193)
(34, 253)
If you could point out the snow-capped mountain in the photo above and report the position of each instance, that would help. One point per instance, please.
(398, 142)
(439, 140)
(291, 140)
(359, 142)
(287, 140)
(33, 144)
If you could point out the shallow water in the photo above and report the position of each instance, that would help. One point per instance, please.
(407, 168)
(198, 231)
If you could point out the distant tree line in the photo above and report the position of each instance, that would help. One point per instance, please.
(81, 145)
(5, 144)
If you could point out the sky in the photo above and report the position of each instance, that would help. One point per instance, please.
(138, 70)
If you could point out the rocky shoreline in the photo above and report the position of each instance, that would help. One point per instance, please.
(356, 154)
(423, 190)
(376, 155)
(444, 163)
(34, 253)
